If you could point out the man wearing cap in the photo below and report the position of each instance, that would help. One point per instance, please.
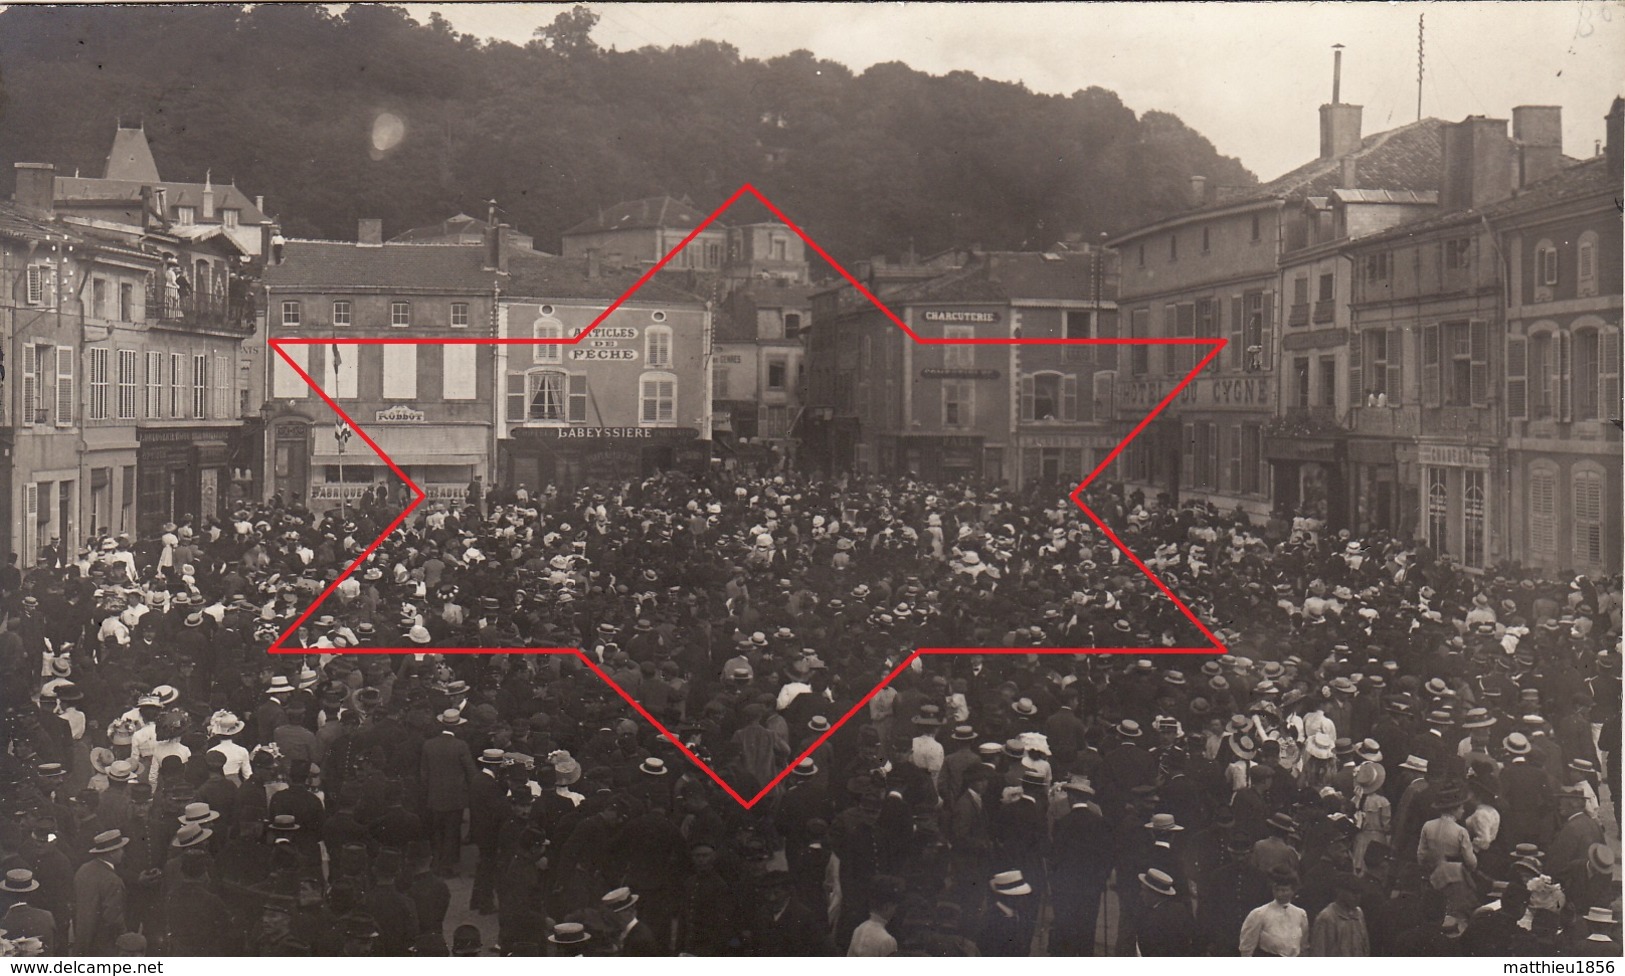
(447, 772)
(98, 917)
(1570, 848)
(25, 921)
(1165, 926)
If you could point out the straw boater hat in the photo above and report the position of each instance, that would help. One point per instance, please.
(19, 881)
(1010, 883)
(197, 813)
(619, 900)
(108, 841)
(1159, 882)
(805, 767)
(569, 933)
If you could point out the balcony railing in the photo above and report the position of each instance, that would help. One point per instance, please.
(1325, 312)
(201, 309)
(1378, 421)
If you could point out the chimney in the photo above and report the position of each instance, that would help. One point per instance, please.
(1339, 130)
(369, 232)
(1538, 132)
(147, 205)
(208, 196)
(503, 246)
(592, 263)
(160, 204)
(36, 187)
(1198, 190)
(1615, 118)
(1478, 163)
(1339, 123)
(1349, 176)
(259, 203)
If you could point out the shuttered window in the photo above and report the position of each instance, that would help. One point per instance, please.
(1543, 509)
(1588, 536)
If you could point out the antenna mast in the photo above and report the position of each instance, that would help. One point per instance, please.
(1419, 62)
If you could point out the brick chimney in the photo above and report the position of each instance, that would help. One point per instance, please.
(504, 246)
(1538, 132)
(36, 187)
(1198, 191)
(1349, 173)
(369, 232)
(1615, 121)
(1479, 163)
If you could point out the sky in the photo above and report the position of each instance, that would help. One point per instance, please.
(1248, 76)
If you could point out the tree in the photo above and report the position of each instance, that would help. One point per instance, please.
(570, 34)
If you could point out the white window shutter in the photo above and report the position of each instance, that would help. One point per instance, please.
(400, 372)
(36, 285)
(1517, 369)
(30, 522)
(1608, 391)
(64, 386)
(31, 385)
(1069, 397)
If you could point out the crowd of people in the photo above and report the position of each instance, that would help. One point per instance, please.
(1396, 756)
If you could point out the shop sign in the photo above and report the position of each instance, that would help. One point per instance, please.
(951, 317)
(937, 373)
(1149, 393)
(603, 355)
(1244, 392)
(1452, 456)
(728, 360)
(400, 414)
(607, 433)
(445, 493)
(338, 492)
(614, 332)
(173, 436)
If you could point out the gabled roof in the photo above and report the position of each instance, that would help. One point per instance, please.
(19, 223)
(74, 192)
(1574, 182)
(643, 214)
(131, 157)
(1003, 276)
(535, 275)
(461, 225)
(336, 265)
(1410, 157)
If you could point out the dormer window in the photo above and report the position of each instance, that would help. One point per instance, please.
(185, 216)
(230, 216)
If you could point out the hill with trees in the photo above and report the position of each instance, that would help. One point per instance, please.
(286, 100)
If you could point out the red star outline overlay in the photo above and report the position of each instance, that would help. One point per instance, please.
(1214, 346)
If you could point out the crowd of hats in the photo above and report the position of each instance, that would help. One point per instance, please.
(781, 602)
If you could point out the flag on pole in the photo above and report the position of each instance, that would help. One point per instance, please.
(341, 433)
(337, 359)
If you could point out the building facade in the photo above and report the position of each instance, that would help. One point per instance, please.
(431, 406)
(1561, 244)
(879, 401)
(630, 399)
(1490, 372)
(644, 231)
(1254, 430)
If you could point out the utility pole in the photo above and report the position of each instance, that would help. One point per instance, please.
(1420, 18)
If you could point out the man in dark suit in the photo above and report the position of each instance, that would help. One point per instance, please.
(783, 925)
(633, 937)
(22, 920)
(487, 809)
(99, 893)
(447, 772)
(1570, 850)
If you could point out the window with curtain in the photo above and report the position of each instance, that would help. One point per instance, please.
(658, 399)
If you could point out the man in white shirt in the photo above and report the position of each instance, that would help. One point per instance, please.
(927, 752)
(1277, 928)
